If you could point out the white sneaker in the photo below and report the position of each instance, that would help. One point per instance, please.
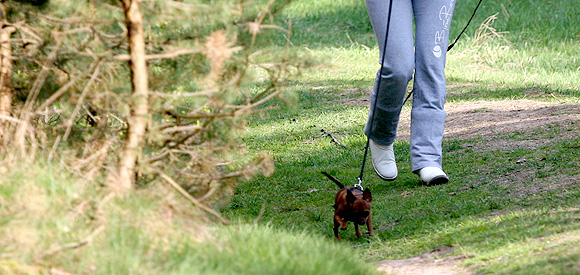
(383, 158)
(433, 176)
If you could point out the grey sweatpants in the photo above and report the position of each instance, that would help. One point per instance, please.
(425, 57)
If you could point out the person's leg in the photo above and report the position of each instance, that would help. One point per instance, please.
(432, 19)
(391, 81)
(397, 69)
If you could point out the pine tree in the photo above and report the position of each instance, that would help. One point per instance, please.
(150, 92)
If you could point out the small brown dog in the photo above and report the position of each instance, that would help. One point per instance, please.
(351, 204)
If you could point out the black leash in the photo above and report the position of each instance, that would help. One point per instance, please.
(359, 184)
(454, 42)
(466, 25)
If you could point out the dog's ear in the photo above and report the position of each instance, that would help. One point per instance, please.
(367, 195)
(350, 198)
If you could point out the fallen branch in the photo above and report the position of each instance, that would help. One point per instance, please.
(333, 138)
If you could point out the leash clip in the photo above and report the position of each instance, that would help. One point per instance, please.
(359, 185)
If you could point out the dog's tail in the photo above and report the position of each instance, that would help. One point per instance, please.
(340, 185)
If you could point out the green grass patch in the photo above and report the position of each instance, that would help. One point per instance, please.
(507, 210)
(47, 213)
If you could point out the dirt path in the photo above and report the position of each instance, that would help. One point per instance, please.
(492, 122)
(426, 264)
(494, 119)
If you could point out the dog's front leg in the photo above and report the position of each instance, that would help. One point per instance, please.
(356, 229)
(370, 226)
(339, 220)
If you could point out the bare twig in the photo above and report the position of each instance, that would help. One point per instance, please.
(169, 55)
(208, 92)
(247, 107)
(94, 157)
(182, 129)
(54, 146)
(77, 30)
(21, 41)
(10, 119)
(74, 21)
(121, 121)
(61, 91)
(39, 81)
(23, 129)
(23, 30)
(261, 214)
(255, 26)
(332, 136)
(164, 152)
(193, 200)
(69, 123)
(209, 193)
(75, 245)
(200, 115)
(188, 136)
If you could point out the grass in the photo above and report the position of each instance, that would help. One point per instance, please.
(151, 231)
(504, 216)
(509, 210)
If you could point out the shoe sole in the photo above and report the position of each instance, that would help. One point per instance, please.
(437, 180)
(381, 176)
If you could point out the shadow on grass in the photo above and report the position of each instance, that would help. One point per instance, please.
(483, 208)
(482, 91)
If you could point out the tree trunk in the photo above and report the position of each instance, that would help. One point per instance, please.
(6, 89)
(122, 181)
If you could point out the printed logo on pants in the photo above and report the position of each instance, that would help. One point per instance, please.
(445, 17)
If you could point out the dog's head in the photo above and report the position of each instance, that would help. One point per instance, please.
(361, 206)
